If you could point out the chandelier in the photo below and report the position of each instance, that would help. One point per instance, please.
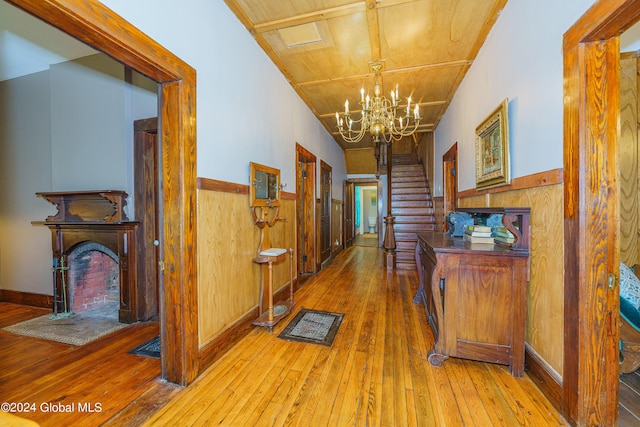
(382, 117)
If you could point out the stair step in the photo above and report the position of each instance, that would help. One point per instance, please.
(406, 245)
(405, 237)
(414, 227)
(410, 190)
(409, 179)
(404, 159)
(411, 211)
(403, 195)
(405, 266)
(406, 166)
(404, 202)
(408, 184)
(415, 219)
(407, 257)
(405, 172)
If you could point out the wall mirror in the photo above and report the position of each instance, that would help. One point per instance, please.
(264, 185)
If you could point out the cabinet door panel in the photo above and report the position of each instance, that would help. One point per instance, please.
(484, 301)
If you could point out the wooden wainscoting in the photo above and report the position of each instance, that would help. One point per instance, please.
(229, 282)
(628, 159)
(543, 193)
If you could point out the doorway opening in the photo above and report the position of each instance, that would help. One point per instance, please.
(96, 25)
(450, 180)
(366, 215)
(363, 222)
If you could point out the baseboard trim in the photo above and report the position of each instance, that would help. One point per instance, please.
(26, 298)
(543, 376)
(218, 346)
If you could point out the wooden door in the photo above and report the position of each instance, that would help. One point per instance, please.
(349, 211)
(147, 191)
(450, 180)
(325, 211)
(305, 212)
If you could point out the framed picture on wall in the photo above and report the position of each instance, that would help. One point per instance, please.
(492, 148)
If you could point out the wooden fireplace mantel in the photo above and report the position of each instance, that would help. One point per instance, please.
(95, 206)
(98, 217)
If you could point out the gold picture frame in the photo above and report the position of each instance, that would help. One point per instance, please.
(492, 148)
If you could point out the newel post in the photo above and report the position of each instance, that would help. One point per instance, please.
(389, 234)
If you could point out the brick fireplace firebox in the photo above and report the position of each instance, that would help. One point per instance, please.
(94, 277)
(93, 217)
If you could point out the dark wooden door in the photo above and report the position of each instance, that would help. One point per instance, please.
(147, 190)
(325, 211)
(449, 169)
(349, 210)
(305, 212)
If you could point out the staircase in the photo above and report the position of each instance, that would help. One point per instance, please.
(412, 206)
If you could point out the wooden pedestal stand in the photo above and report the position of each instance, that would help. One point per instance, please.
(269, 313)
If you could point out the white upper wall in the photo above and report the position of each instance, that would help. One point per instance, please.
(521, 60)
(246, 109)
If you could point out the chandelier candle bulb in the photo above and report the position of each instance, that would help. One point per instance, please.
(346, 106)
(362, 94)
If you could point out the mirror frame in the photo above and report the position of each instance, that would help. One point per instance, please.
(254, 194)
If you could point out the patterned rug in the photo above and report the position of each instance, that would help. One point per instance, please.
(150, 349)
(311, 326)
(75, 329)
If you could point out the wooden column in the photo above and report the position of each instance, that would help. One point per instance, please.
(389, 234)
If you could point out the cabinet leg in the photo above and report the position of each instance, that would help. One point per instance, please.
(436, 359)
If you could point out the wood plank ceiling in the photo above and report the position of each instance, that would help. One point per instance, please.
(325, 49)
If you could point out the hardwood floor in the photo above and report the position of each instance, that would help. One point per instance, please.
(375, 374)
(368, 239)
(629, 400)
(49, 376)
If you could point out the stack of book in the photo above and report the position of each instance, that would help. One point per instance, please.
(478, 234)
(502, 236)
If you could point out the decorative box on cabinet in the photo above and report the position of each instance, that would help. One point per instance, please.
(475, 294)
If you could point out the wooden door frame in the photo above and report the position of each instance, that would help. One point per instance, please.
(147, 191)
(591, 249)
(348, 230)
(373, 182)
(91, 22)
(327, 167)
(449, 158)
(306, 157)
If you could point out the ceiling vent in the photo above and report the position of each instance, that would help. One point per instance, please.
(300, 34)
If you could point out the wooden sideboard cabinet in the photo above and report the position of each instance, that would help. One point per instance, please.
(475, 294)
